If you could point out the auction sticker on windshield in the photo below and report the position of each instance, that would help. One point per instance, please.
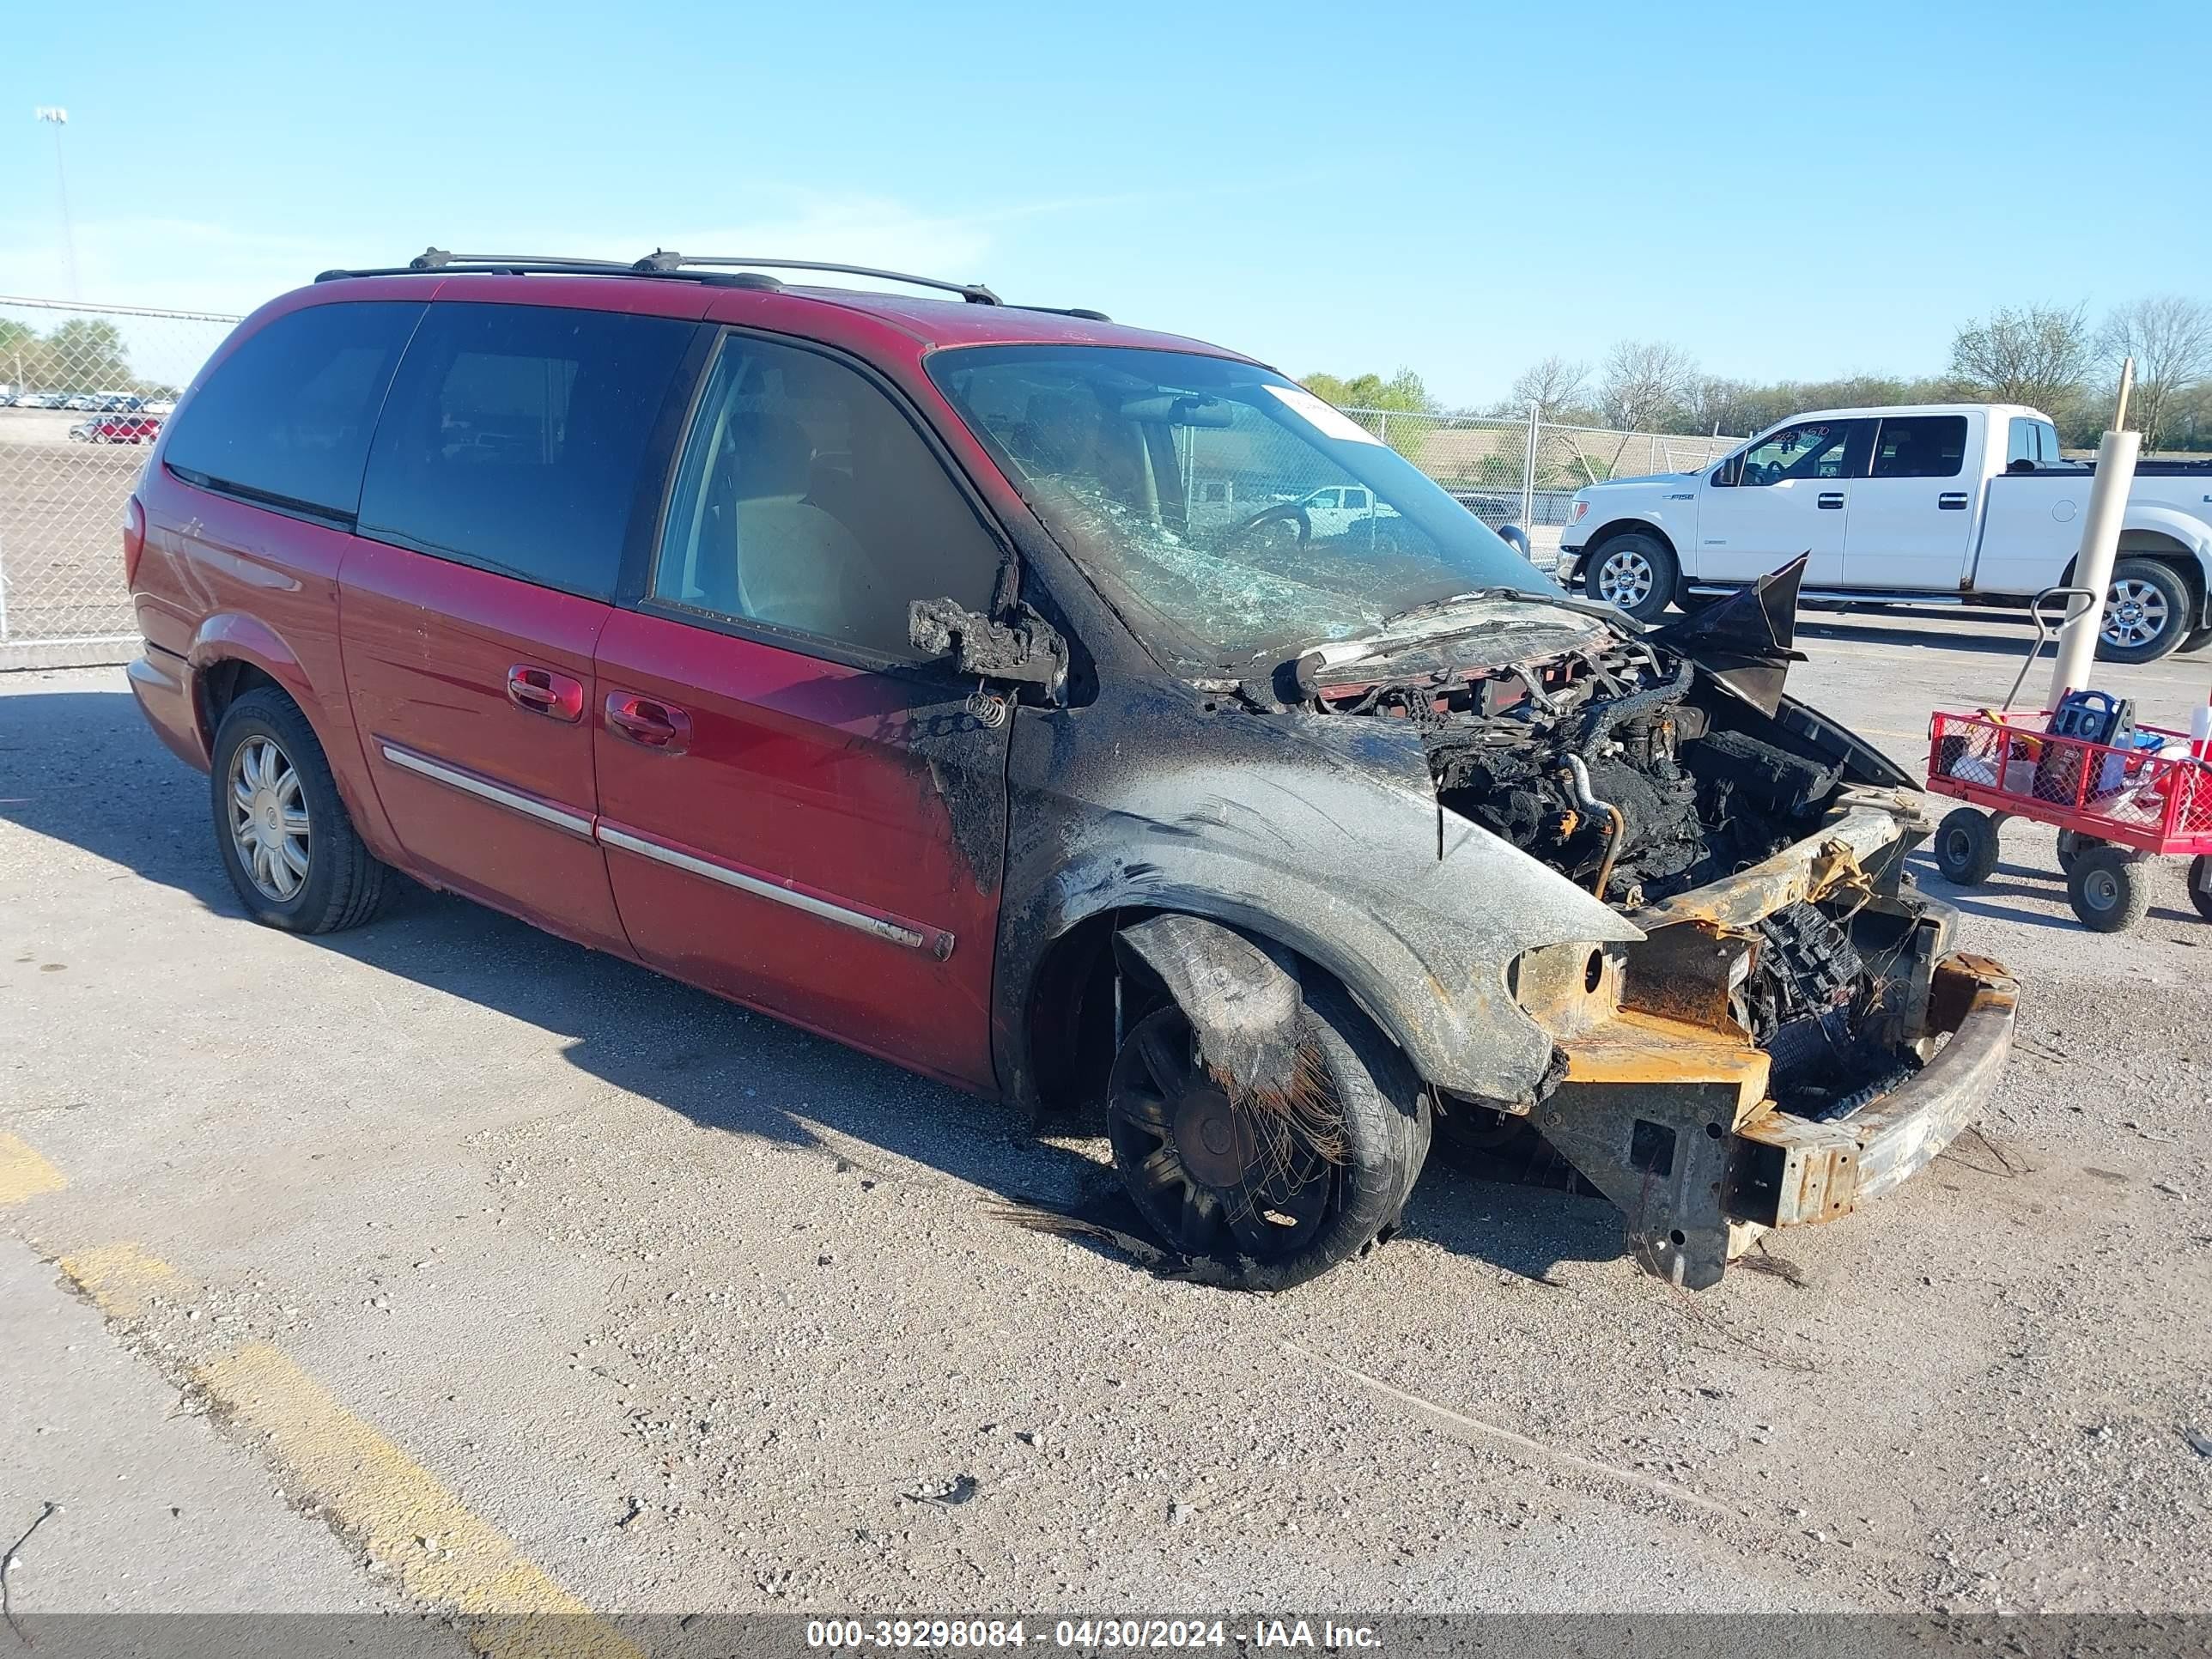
(1329, 421)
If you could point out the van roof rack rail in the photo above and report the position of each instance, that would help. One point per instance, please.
(662, 262)
(704, 268)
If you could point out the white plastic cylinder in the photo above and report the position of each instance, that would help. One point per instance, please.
(2092, 566)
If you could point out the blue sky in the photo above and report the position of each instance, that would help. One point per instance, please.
(1800, 190)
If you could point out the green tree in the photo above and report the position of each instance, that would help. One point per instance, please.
(1403, 391)
(1402, 394)
(87, 357)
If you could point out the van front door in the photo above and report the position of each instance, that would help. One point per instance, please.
(798, 813)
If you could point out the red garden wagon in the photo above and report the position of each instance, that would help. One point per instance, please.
(2113, 806)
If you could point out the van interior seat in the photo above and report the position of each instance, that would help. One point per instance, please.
(771, 554)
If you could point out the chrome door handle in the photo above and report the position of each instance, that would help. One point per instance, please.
(1831, 500)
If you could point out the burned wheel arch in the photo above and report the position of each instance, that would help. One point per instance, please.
(1321, 837)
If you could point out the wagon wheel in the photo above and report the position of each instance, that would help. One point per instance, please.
(2107, 889)
(2200, 884)
(2071, 845)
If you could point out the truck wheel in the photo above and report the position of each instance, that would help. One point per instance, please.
(1967, 847)
(2196, 641)
(1264, 1198)
(282, 833)
(1637, 572)
(2145, 612)
(2107, 890)
(2200, 885)
(2071, 846)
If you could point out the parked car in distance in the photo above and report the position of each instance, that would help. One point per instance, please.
(891, 664)
(126, 428)
(1931, 504)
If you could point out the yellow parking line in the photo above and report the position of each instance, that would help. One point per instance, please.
(23, 1173)
(443, 1553)
(122, 1279)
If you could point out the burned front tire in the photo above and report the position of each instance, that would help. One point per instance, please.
(1266, 1192)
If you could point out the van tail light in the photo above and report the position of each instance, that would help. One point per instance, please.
(134, 539)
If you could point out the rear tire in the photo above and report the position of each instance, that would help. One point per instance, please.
(2107, 890)
(2196, 641)
(1967, 847)
(1635, 571)
(1256, 1200)
(280, 828)
(2147, 611)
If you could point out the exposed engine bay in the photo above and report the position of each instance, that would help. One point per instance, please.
(1601, 763)
(1617, 765)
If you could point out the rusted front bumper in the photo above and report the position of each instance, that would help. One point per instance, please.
(1669, 1117)
(1791, 1170)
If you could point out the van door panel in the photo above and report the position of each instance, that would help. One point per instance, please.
(488, 792)
(826, 845)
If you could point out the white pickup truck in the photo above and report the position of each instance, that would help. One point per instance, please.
(1927, 504)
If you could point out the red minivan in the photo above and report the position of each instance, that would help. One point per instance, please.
(980, 685)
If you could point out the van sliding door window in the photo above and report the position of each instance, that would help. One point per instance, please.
(513, 438)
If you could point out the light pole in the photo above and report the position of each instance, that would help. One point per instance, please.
(59, 116)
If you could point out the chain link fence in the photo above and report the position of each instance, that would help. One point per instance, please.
(1526, 471)
(83, 390)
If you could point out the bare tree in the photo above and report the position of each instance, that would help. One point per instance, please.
(2037, 355)
(1645, 382)
(1551, 387)
(1644, 386)
(2171, 339)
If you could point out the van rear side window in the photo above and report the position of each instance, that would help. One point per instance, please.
(286, 418)
(514, 436)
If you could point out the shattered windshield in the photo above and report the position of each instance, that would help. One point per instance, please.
(1244, 517)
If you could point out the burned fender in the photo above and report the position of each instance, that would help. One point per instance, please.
(1244, 1007)
(1323, 836)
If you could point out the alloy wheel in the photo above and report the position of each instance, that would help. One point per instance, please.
(2135, 614)
(268, 826)
(1625, 578)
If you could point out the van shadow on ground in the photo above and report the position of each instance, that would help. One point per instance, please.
(82, 768)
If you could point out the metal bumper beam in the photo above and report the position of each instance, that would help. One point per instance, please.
(1791, 1171)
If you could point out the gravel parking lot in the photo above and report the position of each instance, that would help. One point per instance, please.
(511, 1263)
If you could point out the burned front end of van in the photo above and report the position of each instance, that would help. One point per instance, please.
(1338, 824)
(1789, 1034)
